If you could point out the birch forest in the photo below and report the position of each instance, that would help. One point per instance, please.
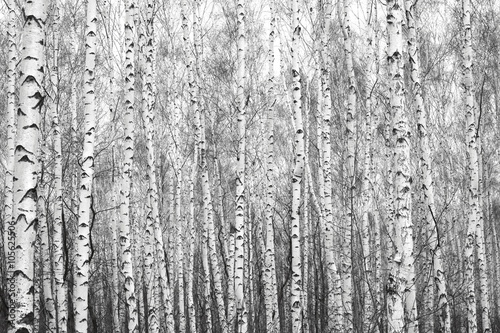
(249, 166)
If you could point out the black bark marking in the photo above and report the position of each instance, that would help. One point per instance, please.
(31, 126)
(26, 159)
(28, 79)
(30, 194)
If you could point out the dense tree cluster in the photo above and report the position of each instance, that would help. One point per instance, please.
(249, 166)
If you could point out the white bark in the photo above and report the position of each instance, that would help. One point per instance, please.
(350, 161)
(296, 278)
(481, 251)
(370, 298)
(240, 299)
(473, 166)
(124, 230)
(82, 244)
(401, 303)
(270, 290)
(9, 225)
(21, 231)
(206, 281)
(335, 316)
(190, 264)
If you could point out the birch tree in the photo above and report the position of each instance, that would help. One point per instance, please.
(9, 234)
(335, 307)
(272, 314)
(350, 161)
(82, 244)
(240, 245)
(126, 179)
(22, 228)
(475, 234)
(401, 298)
(296, 279)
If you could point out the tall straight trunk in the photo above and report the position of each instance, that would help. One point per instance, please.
(231, 297)
(58, 230)
(178, 167)
(150, 261)
(481, 247)
(472, 165)
(305, 225)
(150, 271)
(9, 224)
(370, 298)
(115, 297)
(296, 265)
(401, 303)
(270, 288)
(180, 246)
(206, 282)
(191, 244)
(82, 244)
(350, 161)
(22, 228)
(401, 298)
(427, 179)
(481, 237)
(193, 94)
(126, 256)
(72, 190)
(240, 299)
(335, 316)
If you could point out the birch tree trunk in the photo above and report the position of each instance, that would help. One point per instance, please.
(193, 93)
(85, 196)
(206, 282)
(350, 161)
(401, 298)
(335, 316)
(22, 228)
(240, 299)
(296, 278)
(427, 178)
(9, 233)
(270, 291)
(370, 297)
(473, 165)
(124, 223)
(190, 269)
(481, 246)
